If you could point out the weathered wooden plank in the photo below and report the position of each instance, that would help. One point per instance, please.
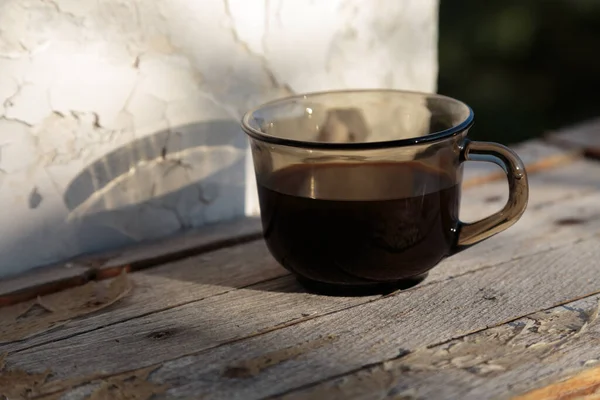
(536, 233)
(209, 323)
(42, 281)
(557, 184)
(360, 335)
(535, 154)
(555, 225)
(494, 364)
(563, 209)
(583, 386)
(382, 329)
(40, 315)
(47, 280)
(584, 136)
(172, 285)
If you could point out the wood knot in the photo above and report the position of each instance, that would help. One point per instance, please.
(569, 221)
(162, 335)
(238, 372)
(489, 294)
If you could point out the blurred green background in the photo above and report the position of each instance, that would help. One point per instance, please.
(525, 67)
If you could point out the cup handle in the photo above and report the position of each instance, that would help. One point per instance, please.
(471, 233)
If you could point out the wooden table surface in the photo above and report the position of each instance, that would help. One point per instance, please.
(211, 315)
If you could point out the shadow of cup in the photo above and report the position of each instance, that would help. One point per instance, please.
(160, 184)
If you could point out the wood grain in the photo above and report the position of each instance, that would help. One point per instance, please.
(46, 280)
(583, 386)
(493, 364)
(34, 317)
(174, 284)
(563, 209)
(552, 185)
(365, 334)
(208, 323)
(543, 227)
(383, 329)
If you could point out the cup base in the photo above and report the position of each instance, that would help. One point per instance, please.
(331, 289)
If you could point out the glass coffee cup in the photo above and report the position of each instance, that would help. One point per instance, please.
(360, 190)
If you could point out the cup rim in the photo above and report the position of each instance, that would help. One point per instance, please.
(430, 138)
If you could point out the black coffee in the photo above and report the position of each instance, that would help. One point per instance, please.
(359, 225)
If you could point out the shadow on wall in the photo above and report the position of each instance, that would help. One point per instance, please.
(160, 184)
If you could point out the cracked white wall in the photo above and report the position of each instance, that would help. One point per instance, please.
(118, 118)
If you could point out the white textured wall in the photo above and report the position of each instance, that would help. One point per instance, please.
(118, 119)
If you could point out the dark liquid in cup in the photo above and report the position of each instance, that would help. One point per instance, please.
(357, 226)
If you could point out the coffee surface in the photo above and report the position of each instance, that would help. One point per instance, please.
(359, 224)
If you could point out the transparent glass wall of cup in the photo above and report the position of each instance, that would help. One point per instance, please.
(360, 190)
